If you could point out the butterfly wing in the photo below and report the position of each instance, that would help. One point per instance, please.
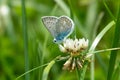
(64, 27)
(50, 24)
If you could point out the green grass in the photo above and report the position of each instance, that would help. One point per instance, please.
(27, 51)
(25, 35)
(116, 43)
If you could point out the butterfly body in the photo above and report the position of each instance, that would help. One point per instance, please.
(59, 27)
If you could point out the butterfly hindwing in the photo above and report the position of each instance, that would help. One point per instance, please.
(64, 26)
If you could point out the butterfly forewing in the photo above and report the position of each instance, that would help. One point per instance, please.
(50, 24)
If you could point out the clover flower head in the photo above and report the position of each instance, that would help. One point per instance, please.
(74, 48)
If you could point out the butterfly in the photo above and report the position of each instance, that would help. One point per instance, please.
(59, 27)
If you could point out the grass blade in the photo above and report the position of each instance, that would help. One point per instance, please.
(108, 10)
(116, 43)
(81, 72)
(91, 17)
(100, 51)
(63, 6)
(30, 71)
(95, 42)
(47, 69)
(100, 35)
(24, 25)
(116, 75)
(98, 38)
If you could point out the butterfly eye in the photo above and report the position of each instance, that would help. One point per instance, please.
(55, 40)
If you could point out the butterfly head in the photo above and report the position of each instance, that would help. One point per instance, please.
(58, 41)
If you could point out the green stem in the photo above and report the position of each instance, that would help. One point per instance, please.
(24, 25)
(100, 51)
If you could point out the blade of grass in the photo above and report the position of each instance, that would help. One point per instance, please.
(97, 39)
(40, 58)
(116, 43)
(74, 16)
(97, 23)
(63, 6)
(38, 67)
(101, 62)
(100, 35)
(91, 17)
(30, 71)
(116, 75)
(48, 67)
(81, 72)
(95, 42)
(108, 10)
(24, 25)
(99, 51)
(80, 26)
(43, 53)
(71, 9)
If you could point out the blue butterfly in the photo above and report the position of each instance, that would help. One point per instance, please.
(59, 27)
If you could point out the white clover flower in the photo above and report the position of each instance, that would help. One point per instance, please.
(74, 48)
